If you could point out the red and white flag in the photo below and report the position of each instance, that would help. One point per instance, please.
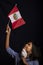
(16, 18)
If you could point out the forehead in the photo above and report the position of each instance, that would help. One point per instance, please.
(29, 43)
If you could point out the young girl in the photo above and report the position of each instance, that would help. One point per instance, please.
(27, 53)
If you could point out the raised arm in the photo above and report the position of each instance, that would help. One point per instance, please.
(7, 47)
(8, 31)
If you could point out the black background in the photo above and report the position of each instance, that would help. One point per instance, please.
(31, 12)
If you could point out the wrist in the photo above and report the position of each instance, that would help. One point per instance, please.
(26, 64)
(8, 33)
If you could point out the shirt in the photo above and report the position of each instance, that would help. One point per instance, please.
(17, 57)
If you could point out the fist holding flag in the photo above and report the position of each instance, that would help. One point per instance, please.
(16, 18)
(8, 29)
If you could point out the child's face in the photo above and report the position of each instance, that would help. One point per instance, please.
(29, 47)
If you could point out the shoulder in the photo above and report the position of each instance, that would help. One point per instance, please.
(36, 62)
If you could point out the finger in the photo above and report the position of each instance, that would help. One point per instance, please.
(6, 31)
(7, 27)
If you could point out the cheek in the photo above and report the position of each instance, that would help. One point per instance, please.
(29, 48)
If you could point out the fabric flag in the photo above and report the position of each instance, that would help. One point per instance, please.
(16, 18)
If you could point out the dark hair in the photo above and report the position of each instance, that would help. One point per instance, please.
(35, 52)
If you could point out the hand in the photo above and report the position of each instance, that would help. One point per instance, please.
(26, 64)
(8, 29)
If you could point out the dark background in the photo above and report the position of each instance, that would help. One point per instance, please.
(31, 12)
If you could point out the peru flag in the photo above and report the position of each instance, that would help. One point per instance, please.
(16, 18)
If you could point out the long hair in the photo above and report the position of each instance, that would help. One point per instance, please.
(36, 54)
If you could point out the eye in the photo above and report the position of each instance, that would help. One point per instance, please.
(29, 44)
